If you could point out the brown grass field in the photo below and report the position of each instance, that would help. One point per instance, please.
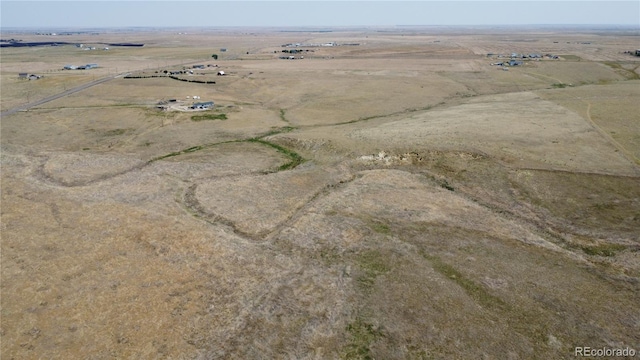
(397, 199)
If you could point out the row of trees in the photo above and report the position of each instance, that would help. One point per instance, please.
(170, 76)
(193, 80)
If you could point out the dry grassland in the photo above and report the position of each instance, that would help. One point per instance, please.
(398, 199)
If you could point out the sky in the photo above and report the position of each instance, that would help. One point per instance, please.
(119, 14)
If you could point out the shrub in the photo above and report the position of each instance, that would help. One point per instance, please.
(209, 117)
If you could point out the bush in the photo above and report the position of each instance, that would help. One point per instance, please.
(209, 117)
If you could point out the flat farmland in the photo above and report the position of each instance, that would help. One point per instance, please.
(392, 194)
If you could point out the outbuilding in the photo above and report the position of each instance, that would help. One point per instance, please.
(202, 105)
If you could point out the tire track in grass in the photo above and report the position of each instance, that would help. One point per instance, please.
(628, 155)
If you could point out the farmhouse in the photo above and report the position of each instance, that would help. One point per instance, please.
(81, 67)
(29, 76)
(202, 105)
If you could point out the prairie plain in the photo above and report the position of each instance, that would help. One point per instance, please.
(390, 195)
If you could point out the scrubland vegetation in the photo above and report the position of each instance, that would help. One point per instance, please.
(398, 199)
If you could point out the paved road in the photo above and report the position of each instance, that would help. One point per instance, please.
(57, 96)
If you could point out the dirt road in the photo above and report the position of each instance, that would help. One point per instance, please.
(57, 96)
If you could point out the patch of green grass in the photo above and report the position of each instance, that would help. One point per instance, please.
(445, 185)
(193, 149)
(172, 154)
(296, 159)
(209, 117)
(372, 264)
(381, 228)
(361, 336)
(190, 150)
(274, 131)
(604, 206)
(477, 292)
(115, 132)
(627, 73)
(406, 111)
(603, 249)
(329, 256)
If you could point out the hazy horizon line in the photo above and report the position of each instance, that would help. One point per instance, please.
(320, 27)
(314, 13)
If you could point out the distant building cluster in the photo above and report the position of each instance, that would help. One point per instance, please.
(327, 44)
(508, 63)
(291, 57)
(189, 71)
(202, 105)
(293, 51)
(81, 46)
(80, 67)
(524, 56)
(179, 104)
(29, 76)
(516, 59)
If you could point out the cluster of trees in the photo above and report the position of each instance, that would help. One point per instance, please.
(295, 51)
(169, 76)
(143, 76)
(193, 80)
